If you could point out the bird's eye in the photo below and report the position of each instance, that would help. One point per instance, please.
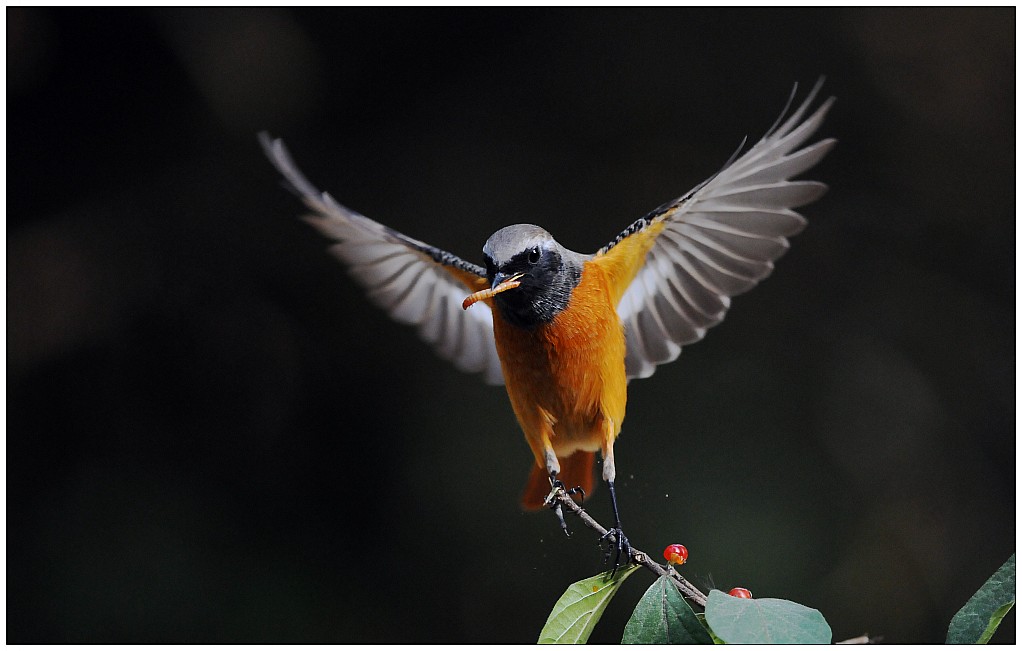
(534, 255)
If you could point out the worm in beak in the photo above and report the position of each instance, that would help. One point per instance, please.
(489, 292)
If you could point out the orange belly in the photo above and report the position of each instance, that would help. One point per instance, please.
(566, 379)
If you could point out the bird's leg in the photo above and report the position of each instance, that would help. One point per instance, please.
(555, 505)
(620, 541)
(615, 537)
(553, 467)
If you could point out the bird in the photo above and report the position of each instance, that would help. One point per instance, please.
(565, 332)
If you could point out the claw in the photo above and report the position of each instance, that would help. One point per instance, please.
(556, 485)
(616, 542)
(578, 490)
(559, 512)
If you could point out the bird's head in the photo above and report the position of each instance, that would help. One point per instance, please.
(531, 275)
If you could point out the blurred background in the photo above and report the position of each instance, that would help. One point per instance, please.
(213, 437)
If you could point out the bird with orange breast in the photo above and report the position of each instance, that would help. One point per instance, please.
(565, 331)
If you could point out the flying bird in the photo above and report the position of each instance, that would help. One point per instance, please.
(563, 331)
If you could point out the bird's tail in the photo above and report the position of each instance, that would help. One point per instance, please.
(576, 470)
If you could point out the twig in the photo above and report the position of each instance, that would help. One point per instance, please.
(560, 496)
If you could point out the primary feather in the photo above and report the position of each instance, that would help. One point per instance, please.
(715, 242)
(414, 282)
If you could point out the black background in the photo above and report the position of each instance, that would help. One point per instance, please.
(213, 437)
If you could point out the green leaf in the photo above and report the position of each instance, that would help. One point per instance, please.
(663, 616)
(580, 607)
(702, 620)
(764, 621)
(976, 622)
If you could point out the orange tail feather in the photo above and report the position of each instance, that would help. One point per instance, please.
(576, 470)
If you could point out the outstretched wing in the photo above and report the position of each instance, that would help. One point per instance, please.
(414, 282)
(676, 268)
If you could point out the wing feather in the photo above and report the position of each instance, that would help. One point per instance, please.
(415, 283)
(717, 241)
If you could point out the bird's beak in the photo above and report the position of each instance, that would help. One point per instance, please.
(490, 292)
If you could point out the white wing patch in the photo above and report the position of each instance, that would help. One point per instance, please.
(719, 241)
(405, 277)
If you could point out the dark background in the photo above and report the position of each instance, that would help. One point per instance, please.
(214, 437)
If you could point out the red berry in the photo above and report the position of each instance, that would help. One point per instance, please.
(741, 593)
(676, 554)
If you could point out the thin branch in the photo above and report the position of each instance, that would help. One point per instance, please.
(560, 496)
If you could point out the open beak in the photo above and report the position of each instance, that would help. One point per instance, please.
(490, 292)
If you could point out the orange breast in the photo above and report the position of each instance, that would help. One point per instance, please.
(567, 378)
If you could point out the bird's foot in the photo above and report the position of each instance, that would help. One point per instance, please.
(555, 505)
(551, 500)
(578, 490)
(557, 484)
(617, 544)
(559, 512)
